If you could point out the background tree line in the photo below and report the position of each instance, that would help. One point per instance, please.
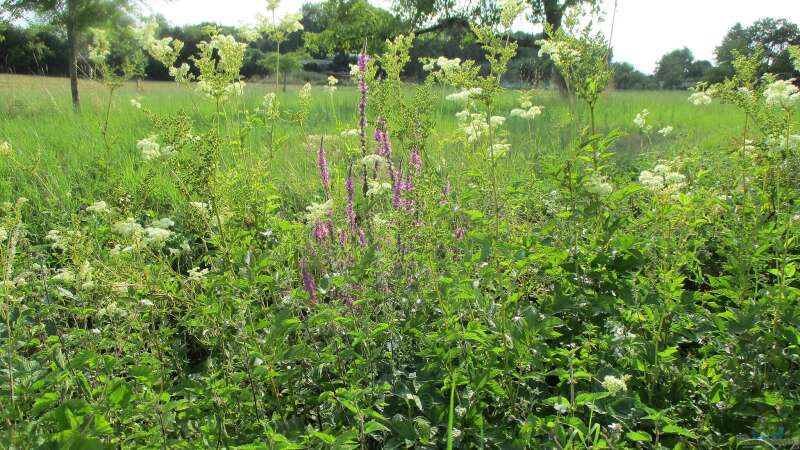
(38, 36)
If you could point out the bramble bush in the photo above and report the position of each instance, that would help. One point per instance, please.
(410, 303)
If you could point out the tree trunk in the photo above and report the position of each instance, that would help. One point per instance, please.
(72, 43)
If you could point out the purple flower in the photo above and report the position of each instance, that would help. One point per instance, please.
(397, 186)
(351, 213)
(415, 161)
(363, 59)
(459, 233)
(322, 163)
(320, 232)
(382, 137)
(343, 238)
(362, 239)
(308, 283)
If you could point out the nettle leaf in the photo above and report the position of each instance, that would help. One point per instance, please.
(638, 436)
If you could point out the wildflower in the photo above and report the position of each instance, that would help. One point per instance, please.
(234, 89)
(561, 407)
(136, 104)
(332, 82)
(64, 276)
(464, 95)
(98, 207)
(145, 302)
(5, 148)
(249, 33)
(527, 114)
(197, 274)
(377, 188)
(164, 222)
(448, 66)
(459, 233)
(95, 331)
(200, 207)
(353, 132)
(666, 131)
(150, 148)
(641, 121)
(308, 283)
(156, 236)
(127, 227)
(614, 384)
(662, 178)
(268, 104)
(350, 212)
(700, 98)
(415, 161)
(317, 212)
(3, 234)
(497, 121)
(322, 164)
(500, 149)
(305, 92)
(599, 185)
(782, 93)
(372, 160)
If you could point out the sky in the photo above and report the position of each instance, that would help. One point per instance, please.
(644, 30)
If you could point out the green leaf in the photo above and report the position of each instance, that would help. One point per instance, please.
(639, 436)
(372, 426)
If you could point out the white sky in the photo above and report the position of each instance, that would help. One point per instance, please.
(644, 30)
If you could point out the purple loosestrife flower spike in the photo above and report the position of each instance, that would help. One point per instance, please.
(397, 186)
(308, 283)
(342, 238)
(362, 239)
(415, 161)
(362, 110)
(351, 213)
(459, 233)
(322, 163)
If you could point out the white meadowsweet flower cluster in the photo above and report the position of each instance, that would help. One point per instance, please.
(100, 207)
(666, 131)
(249, 33)
(181, 74)
(151, 149)
(318, 212)
(782, 93)
(527, 114)
(662, 179)
(305, 92)
(197, 274)
(473, 125)
(446, 66)
(700, 99)
(372, 160)
(464, 95)
(3, 234)
(127, 227)
(165, 51)
(614, 384)
(599, 185)
(332, 82)
(559, 51)
(353, 132)
(781, 144)
(61, 240)
(377, 188)
(641, 121)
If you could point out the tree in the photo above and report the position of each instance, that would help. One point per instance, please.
(74, 18)
(774, 36)
(347, 24)
(673, 69)
(627, 77)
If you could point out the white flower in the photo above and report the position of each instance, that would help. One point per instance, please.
(3, 234)
(164, 222)
(305, 91)
(200, 207)
(350, 133)
(64, 276)
(641, 121)
(150, 148)
(145, 302)
(700, 98)
(372, 159)
(599, 185)
(136, 104)
(662, 178)
(448, 66)
(527, 114)
(782, 93)
(666, 131)
(377, 188)
(127, 227)
(235, 89)
(464, 95)
(95, 331)
(317, 212)
(249, 33)
(332, 82)
(560, 407)
(197, 274)
(500, 149)
(614, 384)
(497, 121)
(98, 207)
(156, 236)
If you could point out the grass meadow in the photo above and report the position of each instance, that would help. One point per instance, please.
(398, 269)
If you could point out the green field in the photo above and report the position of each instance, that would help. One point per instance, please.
(625, 289)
